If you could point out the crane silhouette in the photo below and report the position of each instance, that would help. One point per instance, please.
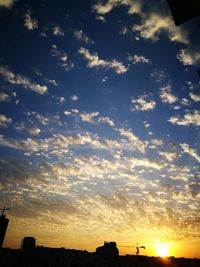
(137, 248)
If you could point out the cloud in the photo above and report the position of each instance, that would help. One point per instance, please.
(157, 142)
(166, 95)
(100, 18)
(170, 156)
(46, 119)
(4, 97)
(67, 112)
(58, 31)
(185, 102)
(95, 62)
(61, 99)
(143, 103)
(34, 131)
(188, 57)
(147, 163)
(7, 3)
(192, 152)
(195, 97)
(58, 144)
(4, 121)
(92, 117)
(105, 120)
(134, 7)
(89, 117)
(62, 58)
(139, 144)
(81, 36)
(189, 118)
(158, 75)
(30, 23)
(21, 80)
(154, 24)
(74, 97)
(139, 59)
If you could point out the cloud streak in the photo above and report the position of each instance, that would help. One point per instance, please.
(17, 79)
(95, 62)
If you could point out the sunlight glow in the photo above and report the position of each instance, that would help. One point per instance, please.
(162, 250)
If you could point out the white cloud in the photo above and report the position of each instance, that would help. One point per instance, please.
(139, 144)
(75, 110)
(4, 97)
(34, 131)
(100, 18)
(170, 156)
(58, 31)
(139, 59)
(74, 97)
(61, 99)
(20, 80)
(190, 118)
(67, 112)
(105, 120)
(30, 23)
(81, 36)
(188, 57)
(104, 8)
(154, 24)
(195, 97)
(62, 58)
(185, 102)
(4, 120)
(147, 163)
(104, 79)
(46, 119)
(143, 103)
(95, 62)
(93, 118)
(166, 95)
(52, 82)
(157, 142)
(192, 152)
(89, 117)
(7, 3)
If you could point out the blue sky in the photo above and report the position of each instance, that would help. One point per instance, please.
(99, 123)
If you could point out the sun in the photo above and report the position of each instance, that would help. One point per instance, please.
(162, 250)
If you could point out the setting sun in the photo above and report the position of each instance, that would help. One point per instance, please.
(162, 250)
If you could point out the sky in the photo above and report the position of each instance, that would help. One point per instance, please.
(99, 125)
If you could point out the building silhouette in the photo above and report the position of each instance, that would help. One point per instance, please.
(28, 243)
(3, 227)
(108, 250)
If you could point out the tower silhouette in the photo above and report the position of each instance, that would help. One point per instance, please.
(3, 226)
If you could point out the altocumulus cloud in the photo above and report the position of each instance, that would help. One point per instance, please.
(188, 57)
(143, 103)
(166, 95)
(189, 118)
(95, 62)
(153, 24)
(134, 7)
(4, 120)
(30, 23)
(21, 80)
(7, 3)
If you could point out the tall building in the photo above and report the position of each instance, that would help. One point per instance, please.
(28, 243)
(3, 227)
